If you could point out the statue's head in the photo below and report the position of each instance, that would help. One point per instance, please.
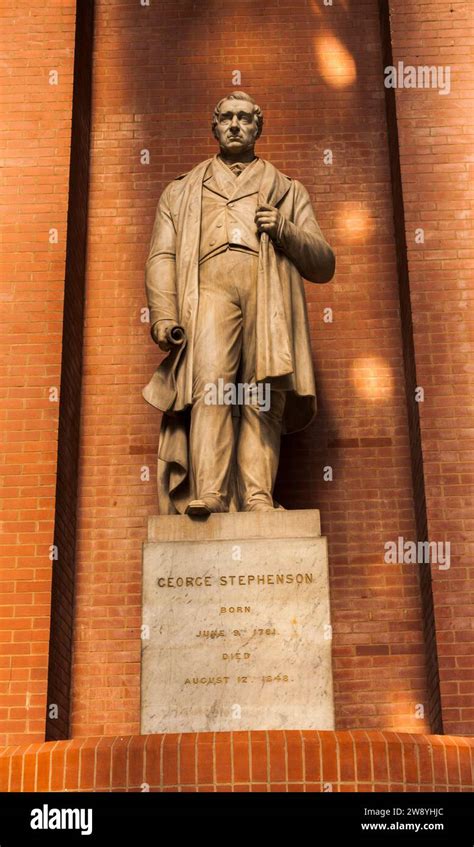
(237, 123)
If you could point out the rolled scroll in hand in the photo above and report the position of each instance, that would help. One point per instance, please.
(175, 335)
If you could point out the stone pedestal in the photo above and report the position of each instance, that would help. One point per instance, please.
(236, 624)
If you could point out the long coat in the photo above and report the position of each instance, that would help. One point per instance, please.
(283, 351)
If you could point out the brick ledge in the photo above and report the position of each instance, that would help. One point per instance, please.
(243, 761)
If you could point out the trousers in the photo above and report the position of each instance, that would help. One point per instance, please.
(229, 455)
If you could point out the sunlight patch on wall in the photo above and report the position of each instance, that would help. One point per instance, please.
(334, 62)
(372, 377)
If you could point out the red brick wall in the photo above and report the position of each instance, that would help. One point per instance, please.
(158, 73)
(436, 142)
(37, 38)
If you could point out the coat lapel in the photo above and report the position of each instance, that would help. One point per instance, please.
(274, 185)
(219, 179)
(187, 274)
(273, 349)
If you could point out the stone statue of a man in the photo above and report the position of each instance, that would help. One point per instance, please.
(231, 242)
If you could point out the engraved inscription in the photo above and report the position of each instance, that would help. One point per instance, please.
(236, 645)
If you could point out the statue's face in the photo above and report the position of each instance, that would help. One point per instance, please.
(237, 128)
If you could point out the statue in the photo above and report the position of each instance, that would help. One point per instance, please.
(231, 242)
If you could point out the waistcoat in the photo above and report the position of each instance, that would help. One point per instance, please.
(229, 203)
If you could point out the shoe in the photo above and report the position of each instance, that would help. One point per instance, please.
(204, 507)
(198, 507)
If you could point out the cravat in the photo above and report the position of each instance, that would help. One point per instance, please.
(237, 168)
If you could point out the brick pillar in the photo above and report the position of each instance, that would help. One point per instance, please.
(39, 44)
(435, 132)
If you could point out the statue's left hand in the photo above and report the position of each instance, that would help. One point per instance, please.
(267, 219)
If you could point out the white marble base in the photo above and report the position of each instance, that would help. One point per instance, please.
(237, 624)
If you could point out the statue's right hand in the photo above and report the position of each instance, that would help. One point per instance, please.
(159, 334)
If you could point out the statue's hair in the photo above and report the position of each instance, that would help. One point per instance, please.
(239, 95)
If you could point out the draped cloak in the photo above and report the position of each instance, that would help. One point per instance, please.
(283, 350)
